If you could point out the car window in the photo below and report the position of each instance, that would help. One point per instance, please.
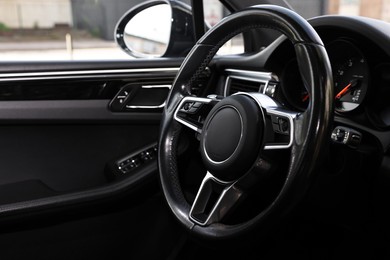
(369, 8)
(74, 30)
(83, 29)
(214, 11)
(60, 29)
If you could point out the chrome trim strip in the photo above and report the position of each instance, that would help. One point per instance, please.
(78, 74)
(146, 107)
(83, 72)
(156, 86)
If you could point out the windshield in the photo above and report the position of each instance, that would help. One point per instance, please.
(377, 9)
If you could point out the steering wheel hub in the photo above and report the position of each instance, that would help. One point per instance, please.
(231, 137)
(223, 134)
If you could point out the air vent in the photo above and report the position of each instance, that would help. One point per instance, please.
(240, 85)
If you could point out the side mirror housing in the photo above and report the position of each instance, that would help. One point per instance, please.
(159, 28)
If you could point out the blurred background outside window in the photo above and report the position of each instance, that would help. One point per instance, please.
(84, 29)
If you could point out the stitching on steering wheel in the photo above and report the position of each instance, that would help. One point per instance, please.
(214, 50)
(173, 165)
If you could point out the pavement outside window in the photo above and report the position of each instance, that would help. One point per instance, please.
(50, 44)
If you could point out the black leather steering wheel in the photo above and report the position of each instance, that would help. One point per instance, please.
(233, 157)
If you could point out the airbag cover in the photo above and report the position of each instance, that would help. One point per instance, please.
(231, 137)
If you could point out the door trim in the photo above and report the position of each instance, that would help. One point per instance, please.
(50, 75)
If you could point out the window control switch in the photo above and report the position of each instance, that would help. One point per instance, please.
(130, 163)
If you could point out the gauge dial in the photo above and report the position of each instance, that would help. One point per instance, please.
(350, 72)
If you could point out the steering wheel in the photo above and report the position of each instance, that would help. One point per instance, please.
(234, 134)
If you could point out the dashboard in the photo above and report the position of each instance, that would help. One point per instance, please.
(360, 58)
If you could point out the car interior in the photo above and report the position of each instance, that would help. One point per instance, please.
(280, 151)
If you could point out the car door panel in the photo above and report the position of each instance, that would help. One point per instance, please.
(60, 136)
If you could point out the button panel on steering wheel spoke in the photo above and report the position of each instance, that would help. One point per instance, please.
(192, 111)
(280, 125)
(191, 107)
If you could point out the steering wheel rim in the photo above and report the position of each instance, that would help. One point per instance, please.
(313, 125)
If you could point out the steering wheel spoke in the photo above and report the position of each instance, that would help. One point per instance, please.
(281, 122)
(191, 113)
(215, 198)
(282, 128)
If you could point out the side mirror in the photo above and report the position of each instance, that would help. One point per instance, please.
(156, 29)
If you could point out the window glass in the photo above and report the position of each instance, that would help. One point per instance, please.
(84, 29)
(378, 9)
(214, 11)
(60, 29)
(40, 30)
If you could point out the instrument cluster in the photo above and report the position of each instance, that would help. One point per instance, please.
(351, 76)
